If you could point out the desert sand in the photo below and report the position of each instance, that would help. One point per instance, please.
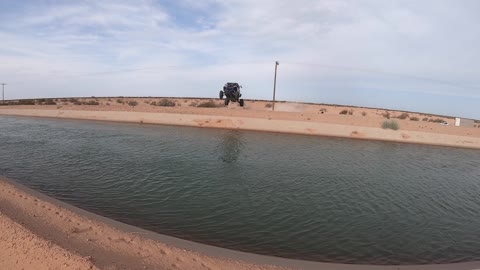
(38, 232)
(288, 117)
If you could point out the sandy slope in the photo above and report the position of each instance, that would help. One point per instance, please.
(311, 119)
(21, 249)
(37, 232)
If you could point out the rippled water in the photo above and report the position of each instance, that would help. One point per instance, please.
(285, 195)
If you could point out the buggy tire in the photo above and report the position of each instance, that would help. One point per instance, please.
(220, 95)
(241, 102)
(227, 101)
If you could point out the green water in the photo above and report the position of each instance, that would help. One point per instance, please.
(302, 197)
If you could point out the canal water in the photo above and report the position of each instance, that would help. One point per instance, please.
(313, 198)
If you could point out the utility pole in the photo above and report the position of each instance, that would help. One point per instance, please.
(275, 85)
(3, 92)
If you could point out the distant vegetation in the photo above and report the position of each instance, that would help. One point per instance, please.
(49, 102)
(403, 116)
(390, 125)
(164, 103)
(132, 103)
(364, 114)
(414, 118)
(344, 112)
(26, 102)
(268, 105)
(90, 102)
(323, 110)
(425, 119)
(120, 101)
(386, 115)
(438, 120)
(208, 104)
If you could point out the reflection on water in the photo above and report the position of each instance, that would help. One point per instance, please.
(301, 197)
(231, 144)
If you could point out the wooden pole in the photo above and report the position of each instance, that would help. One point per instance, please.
(275, 85)
(3, 93)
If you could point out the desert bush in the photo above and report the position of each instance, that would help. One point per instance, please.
(153, 103)
(438, 120)
(350, 112)
(323, 110)
(386, 115)
(26, 102)
(390, 125)
(49, 102)
(364, 114)
(194, 104)
(268, 105)
(208, 104)
(403, 116)
(146, 101)
(120, 101)
(166, 103)
(414, 118)
(425, 119)
(344, 112)
(132, 103)
(91, 102)
(477, 122)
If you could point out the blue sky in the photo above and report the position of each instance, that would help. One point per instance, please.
(411, 55)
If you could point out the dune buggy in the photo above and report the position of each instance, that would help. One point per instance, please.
(231, 92)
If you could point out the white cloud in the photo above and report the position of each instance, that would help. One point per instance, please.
(113, 46)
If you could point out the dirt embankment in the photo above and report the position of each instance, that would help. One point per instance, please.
(311, 119)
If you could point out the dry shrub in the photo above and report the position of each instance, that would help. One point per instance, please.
(390, 125)
(166, 103)
(132, 103)
(208, 104)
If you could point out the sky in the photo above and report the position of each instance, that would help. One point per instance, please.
(399, 54)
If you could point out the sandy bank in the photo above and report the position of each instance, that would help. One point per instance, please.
(273, 123)
(38, 232)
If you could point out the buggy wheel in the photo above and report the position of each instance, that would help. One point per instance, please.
(241, 102)
(221, 94)
(227, 101)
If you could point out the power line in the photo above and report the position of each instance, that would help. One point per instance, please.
(368, 70)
